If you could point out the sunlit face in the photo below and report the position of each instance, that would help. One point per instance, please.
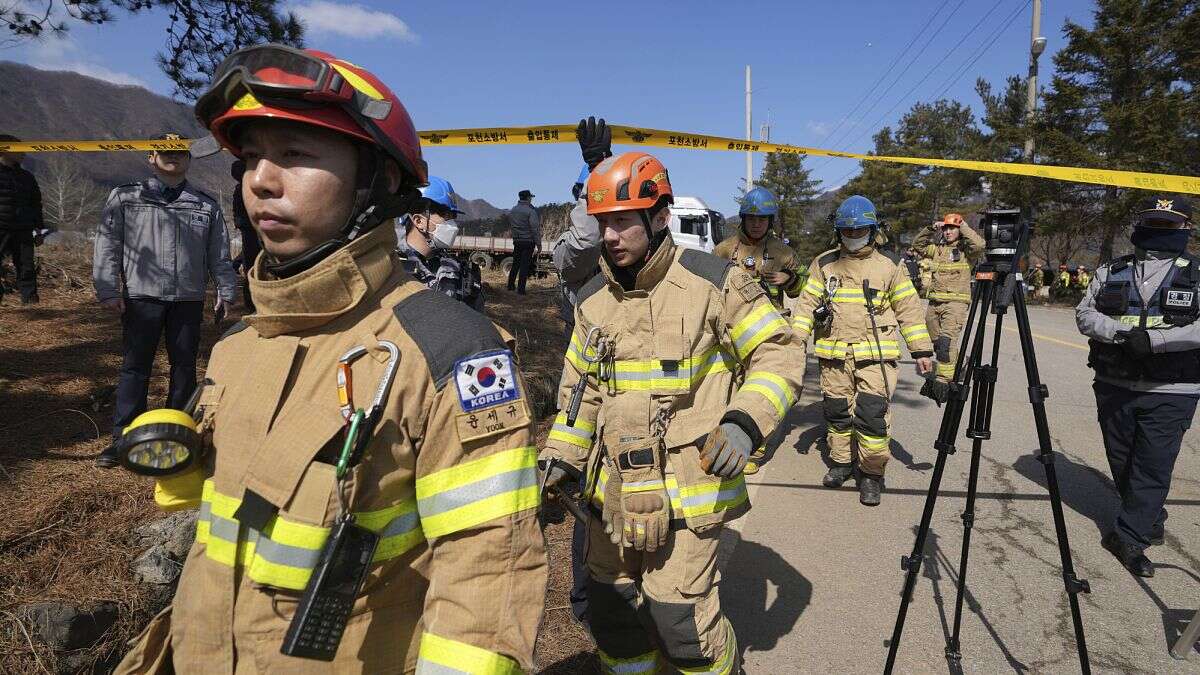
(298, 185)
(171, 164)
(625, 237)
(756, 226)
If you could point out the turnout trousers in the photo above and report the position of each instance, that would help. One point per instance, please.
(1142, 434)
(650, 609)
(856, 398)
(945, 321)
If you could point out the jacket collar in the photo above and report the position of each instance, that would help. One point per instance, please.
(651, 273)
(861, 254)
(157, 190)
(325, 292)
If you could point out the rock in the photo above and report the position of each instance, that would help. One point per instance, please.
(64, 627)
(176, 532)
(156, 566)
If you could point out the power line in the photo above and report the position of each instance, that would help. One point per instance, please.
(979, 54)
(903, 72)
(904, 52)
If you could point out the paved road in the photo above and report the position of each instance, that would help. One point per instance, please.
(813, 582)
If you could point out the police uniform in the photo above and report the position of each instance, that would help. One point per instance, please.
(858, 369)
(1145, 397)
(949, 291)
(694, 343)
(762, 257)
(445, 273)
(448, 481)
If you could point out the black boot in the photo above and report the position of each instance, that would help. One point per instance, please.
(1158, 534)
(838, 474)
(1130, 558)
(110, 458)
(869, 488)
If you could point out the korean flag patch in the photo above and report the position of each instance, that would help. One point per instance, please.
(486, 380)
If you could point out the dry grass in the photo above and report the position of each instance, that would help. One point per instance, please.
(65, 532)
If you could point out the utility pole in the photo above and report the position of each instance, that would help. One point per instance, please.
(1037, 45)
(749, 155)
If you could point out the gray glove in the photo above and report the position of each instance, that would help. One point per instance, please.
(726, 450)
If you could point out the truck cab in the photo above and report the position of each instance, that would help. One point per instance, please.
(694, 225)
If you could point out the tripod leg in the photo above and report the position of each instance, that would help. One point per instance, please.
(981, 297)
(1038, 393)
(979, 430)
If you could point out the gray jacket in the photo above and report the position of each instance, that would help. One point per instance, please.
(576, 258)
(526, 223)
(1148, 273)
(163, 243)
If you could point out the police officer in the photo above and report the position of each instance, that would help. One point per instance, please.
(447, 478)
(951, 248)
(20, 221)
(867, 303)
(756, 247)
(660, 336)
(429, 234)
(1140, 314)
(158, 242)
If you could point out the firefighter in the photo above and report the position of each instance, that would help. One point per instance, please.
(757, 248)
(429, 234)
(952, 248)
(660, 337)
(1082, 279)
(448, 478)
(1062, 282)
(859, 302)
(1037, 280)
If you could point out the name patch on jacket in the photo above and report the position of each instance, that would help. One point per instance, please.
(486, 380)
(1180, 299)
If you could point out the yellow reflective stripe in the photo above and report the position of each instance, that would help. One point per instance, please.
(601, 484)
(643, 664)
(724, 665)
(474, 492)
(803, 323)
(852, 296)
(772, 387)
(830, 349)
(839, 432)
(903, 292)
(439, 655)
(797, 283)
(813, 288)
(885, 349)
(647, 375)
(946, 267)
(754, 329)
(872, 442)
(579, 435)
(947, 296)
(946, 370)
(575, 352)
(1136, 320)
(708, 498)
(908, 332)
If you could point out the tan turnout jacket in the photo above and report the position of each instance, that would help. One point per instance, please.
(949, 264)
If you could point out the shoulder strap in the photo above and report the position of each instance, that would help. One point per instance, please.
(1120, 263)
(445, 330)
(706, 266)
(233, 330)
(829, 257)
(590, 288)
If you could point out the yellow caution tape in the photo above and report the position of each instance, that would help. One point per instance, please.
(659, 138)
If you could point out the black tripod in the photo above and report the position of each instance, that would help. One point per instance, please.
(994, 290)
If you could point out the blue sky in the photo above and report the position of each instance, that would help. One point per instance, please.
(668, 65)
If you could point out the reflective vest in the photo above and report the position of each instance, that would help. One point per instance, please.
(1175, 303)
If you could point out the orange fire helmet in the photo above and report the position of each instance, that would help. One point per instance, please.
(628, 182)
(953, 220)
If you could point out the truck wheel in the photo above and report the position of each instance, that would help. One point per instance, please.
(482, 259)
(506, 265)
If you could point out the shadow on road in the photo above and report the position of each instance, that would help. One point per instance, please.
(744, 592)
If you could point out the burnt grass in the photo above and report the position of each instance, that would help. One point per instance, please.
(65, 530)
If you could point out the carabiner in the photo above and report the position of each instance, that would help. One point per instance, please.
(370, 417)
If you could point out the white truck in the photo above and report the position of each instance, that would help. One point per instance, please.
(694, 225)
(488, 251)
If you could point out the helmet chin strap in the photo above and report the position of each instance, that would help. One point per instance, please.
(369, 197)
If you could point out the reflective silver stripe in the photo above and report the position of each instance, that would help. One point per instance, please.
(785, 396)
(481, 489)
(753, 331)
(223, 528)
(642, 483)
(283, 554)
(577, 432)
(402, 524)
(645, 665)
(714, 497)
(430, 668)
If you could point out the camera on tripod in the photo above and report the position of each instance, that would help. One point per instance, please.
(1007, 236)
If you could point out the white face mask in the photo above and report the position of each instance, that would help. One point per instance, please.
(444, 235)
(855, 243)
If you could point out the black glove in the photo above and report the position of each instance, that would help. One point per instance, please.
(595, 141)
(1135, 342)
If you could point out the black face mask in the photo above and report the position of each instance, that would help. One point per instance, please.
(1160, 239)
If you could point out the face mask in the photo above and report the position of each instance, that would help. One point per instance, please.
(443, 237)
(1160, 239)
(855, 243)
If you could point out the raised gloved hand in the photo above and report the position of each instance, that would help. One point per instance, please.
(595, 141)
(1135, 342)
(726, 450)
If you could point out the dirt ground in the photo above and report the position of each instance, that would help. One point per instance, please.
(65, 531)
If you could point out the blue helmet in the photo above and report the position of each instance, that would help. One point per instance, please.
(441, 192)
(759, 202)
(857, 211)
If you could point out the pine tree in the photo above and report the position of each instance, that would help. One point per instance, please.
(785, 175)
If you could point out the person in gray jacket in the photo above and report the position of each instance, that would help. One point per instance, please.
(527, 239)
(1139, 313)
(576, 254)
(158, 242)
